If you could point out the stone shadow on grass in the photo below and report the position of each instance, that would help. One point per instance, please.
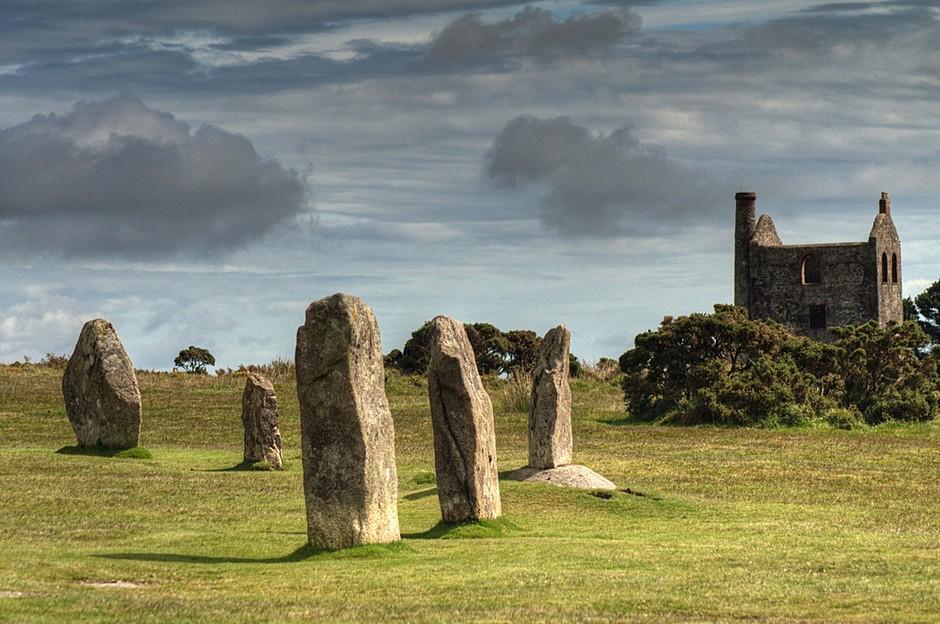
(500, 527)
(136, 452)
(368, 551)
(259, 466)
(421, 494)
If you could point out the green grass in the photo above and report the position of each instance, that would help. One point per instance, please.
(800, 525)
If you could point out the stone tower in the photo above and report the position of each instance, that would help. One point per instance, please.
(810, 288)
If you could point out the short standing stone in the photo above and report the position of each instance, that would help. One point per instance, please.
(347, 434)
(550, 408)
(464, 437)
(260, 418)
(102, 398)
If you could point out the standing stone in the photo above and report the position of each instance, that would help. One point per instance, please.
(102, 398)
(550, 408)
(347, 434)
(464, 438)
(259, 416)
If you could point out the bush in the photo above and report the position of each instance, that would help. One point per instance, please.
(843, 418)
(726, 369)
(53, 360)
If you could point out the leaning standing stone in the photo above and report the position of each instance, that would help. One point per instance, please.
(347, 434)
(464, 438)
(259, 416)
(550, 408)
(102, 398)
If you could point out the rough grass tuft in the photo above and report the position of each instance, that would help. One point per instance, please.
(424, 477)
(135, 453)
(515, 393)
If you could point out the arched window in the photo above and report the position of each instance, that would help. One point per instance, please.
(884, 268)
(894, 268)
(812, 269)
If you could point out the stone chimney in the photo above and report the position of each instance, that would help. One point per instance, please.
(884, 204)
(744, 223)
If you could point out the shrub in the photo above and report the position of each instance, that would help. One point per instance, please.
(278, 369)
(724, 368)
(843, 418)
(53, 360)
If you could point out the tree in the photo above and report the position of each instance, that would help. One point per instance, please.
(574, 365)
(523, 351)
(926, 311)
(884, 377)
(194, 360)
(414, 357)
(393, 359)
(910, 309)
(495, 351)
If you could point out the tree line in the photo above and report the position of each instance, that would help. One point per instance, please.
(497, 352)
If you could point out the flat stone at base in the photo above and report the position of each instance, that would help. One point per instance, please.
(572, 475)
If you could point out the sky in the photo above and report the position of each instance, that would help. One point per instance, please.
(198, 172)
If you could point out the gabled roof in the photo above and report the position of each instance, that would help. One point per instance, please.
(765, 233)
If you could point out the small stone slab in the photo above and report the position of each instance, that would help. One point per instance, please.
(11, 594)
(347, 433)
(572, 476)
(260, 419)
(102, 398)
(464, 434)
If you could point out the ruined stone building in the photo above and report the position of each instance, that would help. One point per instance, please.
(810, 288)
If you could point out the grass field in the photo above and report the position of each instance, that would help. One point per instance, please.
(802, 525)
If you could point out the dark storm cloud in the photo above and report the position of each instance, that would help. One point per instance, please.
(119, 178)
(595, 184)
(532, 32)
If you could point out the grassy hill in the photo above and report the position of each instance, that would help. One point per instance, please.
(722, 525)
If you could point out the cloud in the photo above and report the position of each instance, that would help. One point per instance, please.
(119, 178)
(63, 27)
(532, 32)
(597, 185)
(48, 323)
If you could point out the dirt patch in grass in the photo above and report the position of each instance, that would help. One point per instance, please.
(112, 584)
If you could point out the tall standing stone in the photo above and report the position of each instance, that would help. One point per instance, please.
(464, 437)
(550, 408)
(347, 434)
(260, 418)
(102, 398)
